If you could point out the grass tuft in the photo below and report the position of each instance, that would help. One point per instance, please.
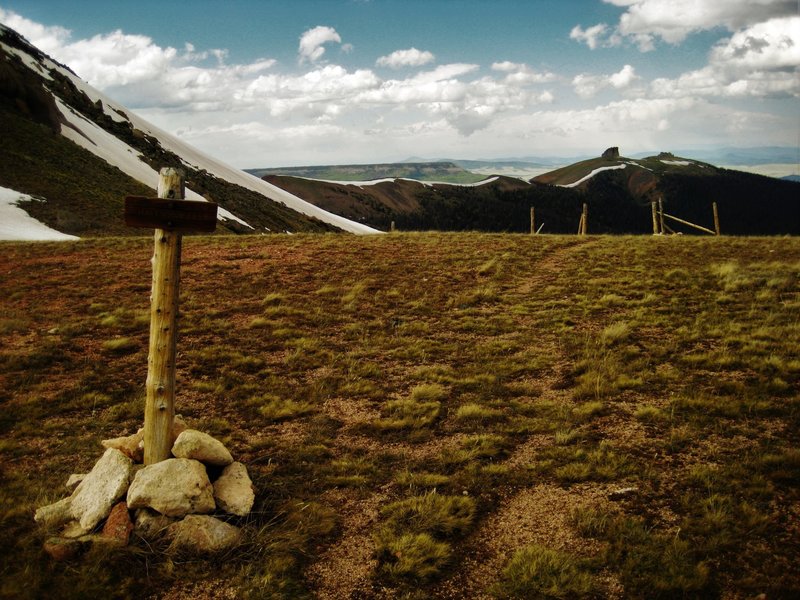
(412, 541)
(539, 572)
(121, 345)
(415, 556)
(274, 408)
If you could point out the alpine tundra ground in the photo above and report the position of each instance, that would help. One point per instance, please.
(427, 415)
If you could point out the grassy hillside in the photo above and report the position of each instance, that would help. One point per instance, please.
(437, 415)
(411, 204)
(83, 194)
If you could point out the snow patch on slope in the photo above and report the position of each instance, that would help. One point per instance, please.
(117, 150)
(97, 140)
(592, 174)
(370, 182)
(16, 224)
(677, 163)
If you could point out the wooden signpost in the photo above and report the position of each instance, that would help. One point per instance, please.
(170, 215)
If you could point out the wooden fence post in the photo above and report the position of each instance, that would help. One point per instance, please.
(533, 220)
(661, 215)
(716, 218)
(583, 227)
(159, 409)
(655, 217)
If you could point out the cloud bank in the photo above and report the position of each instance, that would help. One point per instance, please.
(645, 22)
(402, 103)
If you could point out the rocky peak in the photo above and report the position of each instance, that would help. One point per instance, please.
(611, 153)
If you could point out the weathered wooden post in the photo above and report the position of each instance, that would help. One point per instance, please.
(655, 217)
(716, 218)
(169, 215)
(661, 215)
(159, 409)
(533, 220)
(391, 227)
(582, 227)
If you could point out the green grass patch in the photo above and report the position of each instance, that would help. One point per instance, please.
(539, 572)
(412, 540)
(275, 408)
(569, 464)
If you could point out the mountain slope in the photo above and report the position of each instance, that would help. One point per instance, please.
(642, 175)
(618, 191)
(383, 201)
(749, 204)
(43, 104)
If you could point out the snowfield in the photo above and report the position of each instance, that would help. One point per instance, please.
(16, 224)
(677, 163)
(592, 174)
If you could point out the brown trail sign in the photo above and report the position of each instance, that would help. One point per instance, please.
(173, 215)
(170, 215)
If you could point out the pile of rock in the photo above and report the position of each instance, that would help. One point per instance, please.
(171, 499)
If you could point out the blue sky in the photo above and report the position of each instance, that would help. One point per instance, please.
(277, 83)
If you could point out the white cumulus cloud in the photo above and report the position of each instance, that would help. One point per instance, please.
(46, 38)
(406, 58)
(591, 36)
(773, 44)
(761, 60)
(521, 74)
(587, 85)
(312, 42)
(673, 20)
(118, 59)
(646, 21)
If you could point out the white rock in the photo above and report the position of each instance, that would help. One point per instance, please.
(131, 445)
(53, 515)
(73, 530)
(178, 427)
(174, 487)
(97, 494)
(198, 534)
(74, 480)
(233, 490)
(201, 446)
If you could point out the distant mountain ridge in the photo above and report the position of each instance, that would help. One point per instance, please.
(729, 156)
(421, 171)
(757, 155)
(642, 174)
(618, 190)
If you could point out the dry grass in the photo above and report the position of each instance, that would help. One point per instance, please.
(440, 381)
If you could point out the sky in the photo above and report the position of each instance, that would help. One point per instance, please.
(270, 83)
